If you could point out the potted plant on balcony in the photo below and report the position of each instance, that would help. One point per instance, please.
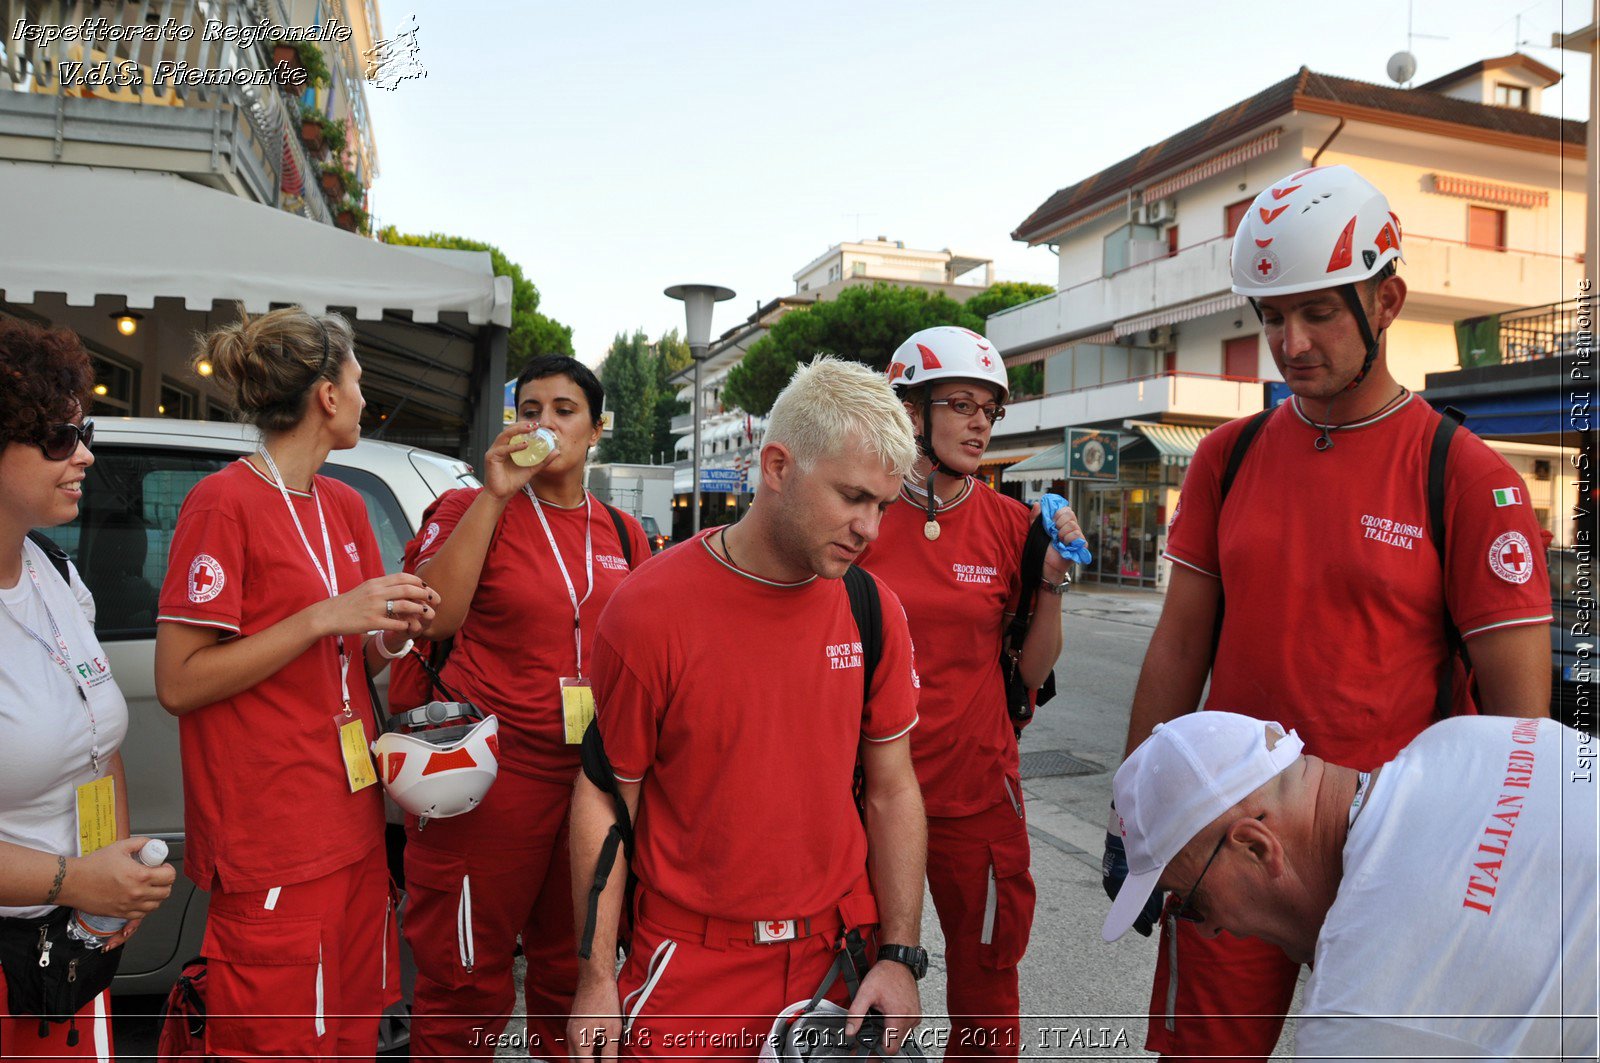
(337, 182)
(313, 62)
(318, 131)
(352, 217)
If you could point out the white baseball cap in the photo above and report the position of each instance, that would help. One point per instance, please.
(1183, 777)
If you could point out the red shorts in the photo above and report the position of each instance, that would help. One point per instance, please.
(1227, 1001)
(474, 884)
(20, 1037)
(984, 894)
(303, 970)
(699, 988)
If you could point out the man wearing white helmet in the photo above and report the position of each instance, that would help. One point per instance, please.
(1313, 524)
(951, 549)
(1445, 899)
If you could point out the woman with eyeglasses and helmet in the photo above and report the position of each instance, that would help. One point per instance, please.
(524, 567)
(62, 717)
(951, 548)
(274, 610)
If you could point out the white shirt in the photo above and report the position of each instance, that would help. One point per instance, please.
(1465, 924)
(45, 734)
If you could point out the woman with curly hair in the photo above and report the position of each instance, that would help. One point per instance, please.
(274, 601)
(62, 717)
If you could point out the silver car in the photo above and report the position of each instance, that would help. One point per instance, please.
(144, 467)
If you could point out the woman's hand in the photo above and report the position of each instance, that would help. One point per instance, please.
(111, 881)
(503, 477)
(398, 603)
(1067, 529)
(120, 938)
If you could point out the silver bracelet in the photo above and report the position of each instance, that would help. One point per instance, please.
(383, 647)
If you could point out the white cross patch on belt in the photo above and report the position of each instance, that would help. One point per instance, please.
(775, 930)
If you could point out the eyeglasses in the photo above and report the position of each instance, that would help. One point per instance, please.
(966, 408)
(1186, 911)
(61, 442)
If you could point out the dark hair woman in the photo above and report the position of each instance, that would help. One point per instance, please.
(523, 568)
(62, 717)
(275, 597)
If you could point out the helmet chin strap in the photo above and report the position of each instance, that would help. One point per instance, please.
(1352, 298)
(935, 465)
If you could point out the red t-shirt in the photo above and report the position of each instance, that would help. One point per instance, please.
(516, 644)
(738, 703)
(1335, 597)
(266, 799)
(957, 591)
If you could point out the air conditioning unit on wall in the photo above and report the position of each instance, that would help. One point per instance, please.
(1162, 337)
(1158, 212)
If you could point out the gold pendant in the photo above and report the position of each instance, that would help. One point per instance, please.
(931, 530)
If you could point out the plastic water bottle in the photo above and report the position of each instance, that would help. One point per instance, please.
(93, 930)
(541, 442)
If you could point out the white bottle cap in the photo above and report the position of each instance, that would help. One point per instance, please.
(154, 853)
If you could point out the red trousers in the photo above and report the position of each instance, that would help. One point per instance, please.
(693, 990)
(984, 894)
(474, 883)
(303, 970)
(1221, 998)
(19, 1037)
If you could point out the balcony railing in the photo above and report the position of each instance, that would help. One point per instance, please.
(1192, 394)
(1550, 331)
(239, 136)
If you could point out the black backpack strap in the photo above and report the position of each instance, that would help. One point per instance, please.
(1034, 550)
(597, 768)
(1444, 432)
(622, 533)
(868, 613)
(1241, 446)
(57, 556)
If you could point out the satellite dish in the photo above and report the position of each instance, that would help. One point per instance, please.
(1402, 67)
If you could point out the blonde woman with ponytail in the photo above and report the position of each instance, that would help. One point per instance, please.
(275, 598)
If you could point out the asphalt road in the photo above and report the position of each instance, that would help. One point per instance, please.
(1082, 998)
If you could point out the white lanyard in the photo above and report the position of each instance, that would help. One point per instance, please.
(61, 654)
(588, 568)
(330, 578)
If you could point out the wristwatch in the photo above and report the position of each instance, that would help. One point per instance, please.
(913, 956)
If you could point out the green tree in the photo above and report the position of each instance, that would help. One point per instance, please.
(628, 374)
(532, 333)
(1024, 379)
(672, 355)
(864, 324)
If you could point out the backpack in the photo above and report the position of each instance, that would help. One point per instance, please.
(57, 556)
(182, 1023)
(1457, 663)
(414, 677)
(866, 609)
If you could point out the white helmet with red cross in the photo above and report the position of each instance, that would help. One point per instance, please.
(1318, 228)
(948, 352)
(440, 759)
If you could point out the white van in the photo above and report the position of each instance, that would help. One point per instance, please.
(143, 469)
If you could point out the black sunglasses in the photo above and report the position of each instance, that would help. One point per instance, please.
(61, 442)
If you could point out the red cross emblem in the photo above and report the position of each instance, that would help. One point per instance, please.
(1511, 558)
(986, 362)
(1265, 264)
(206, 578)
(1264, 267)
(203, 579)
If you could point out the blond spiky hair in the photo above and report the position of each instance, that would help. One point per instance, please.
(831, 403)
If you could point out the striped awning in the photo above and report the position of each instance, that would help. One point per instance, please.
(1223, 160)
(1008, 456)
(1050, 464)
(1174, 442)
(1489, 191)
(1216, 304)
(1093, 214)
(1039, 354)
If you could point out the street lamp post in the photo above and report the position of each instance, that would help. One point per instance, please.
(698, 300)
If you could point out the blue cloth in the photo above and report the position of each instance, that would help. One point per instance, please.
(1078, 549)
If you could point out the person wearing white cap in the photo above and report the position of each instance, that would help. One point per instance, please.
(1446, 900)
(1329, 557)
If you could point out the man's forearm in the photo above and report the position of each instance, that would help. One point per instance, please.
(1174, 674)
(593, 813)
(897, 859)
(1512, 668)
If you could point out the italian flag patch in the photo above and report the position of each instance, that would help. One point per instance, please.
(1507, 496)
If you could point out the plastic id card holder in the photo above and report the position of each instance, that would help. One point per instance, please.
(577, 707)
(97, 815)
(353, 747)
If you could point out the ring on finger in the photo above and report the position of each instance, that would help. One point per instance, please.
(388, 609)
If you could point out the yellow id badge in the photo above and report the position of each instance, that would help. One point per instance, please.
(97, 815)
(577, 707)
(353, 745)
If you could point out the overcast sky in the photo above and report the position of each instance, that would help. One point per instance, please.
(616, 149)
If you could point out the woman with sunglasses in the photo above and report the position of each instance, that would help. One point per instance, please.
(274, 610)
(62, 717)
(951, 548)
(524, 566)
